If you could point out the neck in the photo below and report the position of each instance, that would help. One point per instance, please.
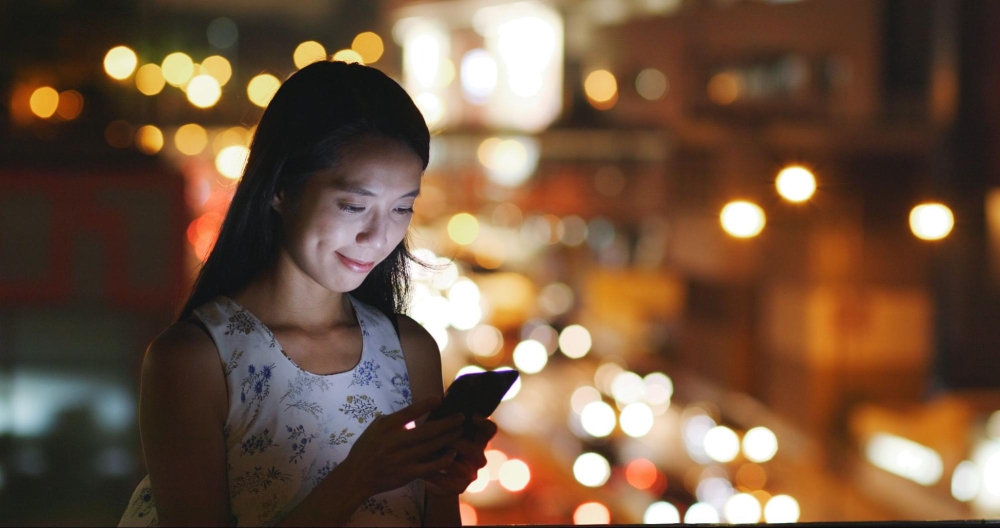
(283, 296)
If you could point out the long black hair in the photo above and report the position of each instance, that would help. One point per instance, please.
(315, 114)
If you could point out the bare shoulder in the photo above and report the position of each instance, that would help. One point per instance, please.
(423, 358)
(184, 360)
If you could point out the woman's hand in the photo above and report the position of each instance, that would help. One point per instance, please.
(387, 455)
(470, 458)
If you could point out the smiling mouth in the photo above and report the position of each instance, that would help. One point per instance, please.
(355, 265)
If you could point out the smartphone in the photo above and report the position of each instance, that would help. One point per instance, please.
(475, 393)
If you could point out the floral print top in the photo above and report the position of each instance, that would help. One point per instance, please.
(287, 428)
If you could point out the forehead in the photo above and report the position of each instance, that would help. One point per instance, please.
(375, 164)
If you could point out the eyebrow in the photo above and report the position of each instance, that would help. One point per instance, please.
(363, 191)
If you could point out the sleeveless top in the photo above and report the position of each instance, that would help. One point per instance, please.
(286, 428)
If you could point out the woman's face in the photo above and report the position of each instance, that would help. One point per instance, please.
(351, 217)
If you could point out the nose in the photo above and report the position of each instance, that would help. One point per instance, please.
(374, 233)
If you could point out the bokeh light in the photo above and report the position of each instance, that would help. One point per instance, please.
(514, 475)
(44, 101)
(721, 444)
(725, 88)
(591, 470)
(178, 68)
(742, 219)
(348, 55)
(591, 513)
(636, 419)
(742, 508)
(965, 482)
(627, 387)
(120, 62)
(149, 79)
(307, 53)
(369, 46)
(431, 107)
(468, 514)
(583, 396)
(575, 341)
(495, 459)
(261, 89)
(598, 419)
(218, 67)
(641, 473)
(70, 104)
(651, 84)
(222, 33)
(230, 161)
(191, 139)
(661, 512)
(481, 482)
(478, 74)
(463, 228)
(781, 509)
(658, 388)
(931, 221)
(149, 139)
(203, 91)
(796, 183)
(601, 88)
(701, 513)
(484, 340)
(759, 444)
(530, 356)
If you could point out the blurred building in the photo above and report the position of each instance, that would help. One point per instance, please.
(603, 189)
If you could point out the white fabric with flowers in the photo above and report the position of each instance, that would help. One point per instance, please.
(287, 428)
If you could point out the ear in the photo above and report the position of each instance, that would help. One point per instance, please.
(278, 202)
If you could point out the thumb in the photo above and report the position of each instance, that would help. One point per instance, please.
(415, 410)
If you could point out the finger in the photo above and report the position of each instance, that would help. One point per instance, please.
(422, 450)
(486, 429)
(428, 430)
(414, 411)
(430, 467)
(447, 484)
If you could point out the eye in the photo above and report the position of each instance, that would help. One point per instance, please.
(353, 209)
(405, 210)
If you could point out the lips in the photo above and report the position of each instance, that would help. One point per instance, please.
(356, 265)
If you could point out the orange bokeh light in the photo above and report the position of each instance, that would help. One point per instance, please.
(641, 473)
(202, 231)
(468, 514)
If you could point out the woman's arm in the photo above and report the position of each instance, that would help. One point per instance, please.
(423, 364)
(182, 412)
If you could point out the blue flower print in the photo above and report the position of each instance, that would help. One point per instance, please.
(266, 371)
(401, 386)
(365, 374)
(257, 443)
(240, 321)
(254, 389)
(300, 441)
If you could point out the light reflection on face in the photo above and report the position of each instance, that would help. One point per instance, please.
(351, 217)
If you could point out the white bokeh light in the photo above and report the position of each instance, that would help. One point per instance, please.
(701, 513)
(781, 509)
(760, 445)
(598, 419)
(627, 388)
(661, 512)
(721, 444)
(591, 470)
(530, 356)
(742, 508)
(636, 419)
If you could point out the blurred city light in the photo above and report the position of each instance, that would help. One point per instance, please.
(575, 341)
(931, 221)
(482, 480)
(262, 88)
(463, 228)
(530, 356)
(658, 388)
(627, 387)
(905, 458)
(701, 513)
(598, 419)
(636, 419)
(230, 161)
(514, 475)
(191, 139)
(742, 219)
(348, 55)
(583, 396)
(178, 68)
(149, 139)
(44, 102)
(641, 473)
(721, 444)
(484, 340)
(478, 73)
(781, 509)
(742, 508)
(307, 53)
(468, 514)
(651, 84)
(591, 513)
(591, 470)
(222, 33)
(203, 91)
(218, 67)
(601, 88)
(725, 88)
(120, 62)
(508, 162)
(369, 46)
(661, 512)
(149, 79)
(796, 183)
(431, 107)
(759, 445)
(70, 104)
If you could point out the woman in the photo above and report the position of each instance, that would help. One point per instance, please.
(284, 393)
